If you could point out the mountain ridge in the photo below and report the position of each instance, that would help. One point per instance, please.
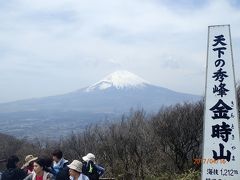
(77, 109)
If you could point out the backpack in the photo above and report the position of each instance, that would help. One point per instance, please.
(91, 170)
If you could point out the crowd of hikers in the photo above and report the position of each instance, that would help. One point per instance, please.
(54, 168)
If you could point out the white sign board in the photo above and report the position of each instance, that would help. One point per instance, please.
(221, 148)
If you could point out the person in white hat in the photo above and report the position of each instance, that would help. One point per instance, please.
(89, 157)
(75, 171)
(28, 165)
(90, 168)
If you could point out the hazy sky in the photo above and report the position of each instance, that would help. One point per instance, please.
(50, 47)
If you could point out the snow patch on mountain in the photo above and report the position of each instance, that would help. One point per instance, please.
(119, 80)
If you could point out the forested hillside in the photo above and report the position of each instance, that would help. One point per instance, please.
(139, 145)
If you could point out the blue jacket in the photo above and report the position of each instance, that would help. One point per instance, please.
(57, 167)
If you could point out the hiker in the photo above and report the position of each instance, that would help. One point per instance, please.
(13, 171)
(90, 168)
(75, 171)
(40, 171)
(60, 168)
(28, 165)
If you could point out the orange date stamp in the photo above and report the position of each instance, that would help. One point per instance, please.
(199, 161)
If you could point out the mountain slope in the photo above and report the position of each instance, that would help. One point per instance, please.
(118, 91)
(106, 99)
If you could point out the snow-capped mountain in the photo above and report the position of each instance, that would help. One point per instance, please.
(119, 80)
(109, 98)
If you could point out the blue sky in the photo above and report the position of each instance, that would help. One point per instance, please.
(58, 46)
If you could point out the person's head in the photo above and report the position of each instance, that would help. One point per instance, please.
(57, 155)
(29, 159)
(31, 164)
(89, 157)
(75, 168)
(39, 166)
(12, 162)
(48, 161)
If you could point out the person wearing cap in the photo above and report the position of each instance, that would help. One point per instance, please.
(90, 168)
(75, 171)
(28, 165)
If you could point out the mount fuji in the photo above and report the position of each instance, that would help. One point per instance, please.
(109, 98)
(119, 80)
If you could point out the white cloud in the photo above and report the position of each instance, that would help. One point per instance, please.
(67, 44)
